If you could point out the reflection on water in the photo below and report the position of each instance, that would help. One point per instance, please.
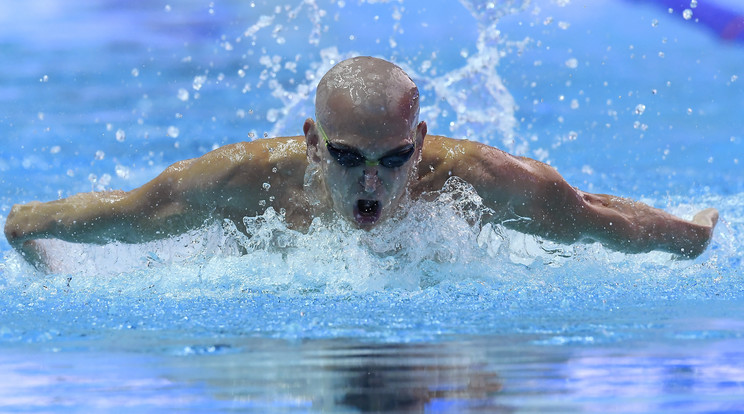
(258, 374)
(148, 372)
(338, 374)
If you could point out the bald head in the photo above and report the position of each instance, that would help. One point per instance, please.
(366, 92)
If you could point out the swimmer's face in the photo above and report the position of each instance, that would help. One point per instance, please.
(366, 170)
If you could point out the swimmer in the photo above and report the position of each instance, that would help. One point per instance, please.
(362, 156)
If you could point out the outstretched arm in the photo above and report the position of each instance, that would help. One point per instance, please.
(531, 196)
(222, 183)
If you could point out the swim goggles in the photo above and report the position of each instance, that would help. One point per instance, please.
(351, 158)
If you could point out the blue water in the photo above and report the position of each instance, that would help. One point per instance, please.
(427, 314)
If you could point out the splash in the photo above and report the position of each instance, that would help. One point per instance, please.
(464, 99)
(431, 244)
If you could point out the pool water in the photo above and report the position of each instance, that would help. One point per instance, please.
(427, 313)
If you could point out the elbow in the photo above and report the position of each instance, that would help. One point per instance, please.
(13, 231)
(559, 211)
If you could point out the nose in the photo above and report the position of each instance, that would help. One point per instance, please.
(370, 180)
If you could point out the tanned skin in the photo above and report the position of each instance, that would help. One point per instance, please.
(368, 106)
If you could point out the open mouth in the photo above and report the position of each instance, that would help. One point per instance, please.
(367, 211)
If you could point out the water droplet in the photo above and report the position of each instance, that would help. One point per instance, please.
(639, 109)
(122, 172)
(198, 82)
(687, 14)
(272, 115)
(183, 94)
(173, 132)
(120, 135)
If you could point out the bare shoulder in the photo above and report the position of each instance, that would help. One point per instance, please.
(268, 151)
(476, 163)
(244, 162)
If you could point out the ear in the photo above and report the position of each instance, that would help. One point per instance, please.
(311, 140)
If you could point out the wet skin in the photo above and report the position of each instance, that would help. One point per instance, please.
(369, 108)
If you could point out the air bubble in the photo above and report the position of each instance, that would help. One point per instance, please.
(639, 109)
(572, 63)
(687, 14)
(135, 72)
(120, 135)
(99, 155)
(173, 132)
(266, 186)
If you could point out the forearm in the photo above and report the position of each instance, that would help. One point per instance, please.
(96, 218)
(79, 218)
(635, 227)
